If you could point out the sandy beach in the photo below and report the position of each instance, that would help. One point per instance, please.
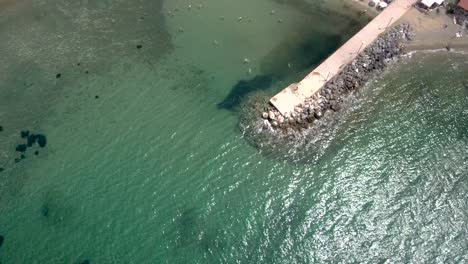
(434, 30)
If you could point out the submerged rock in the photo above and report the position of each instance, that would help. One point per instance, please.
(1, 128)
(85, 262)
(41, 140)
(31, 140)
(1, 240)
(21, 148)
(24, 133)
(45, 211)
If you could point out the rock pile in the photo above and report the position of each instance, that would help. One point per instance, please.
(31, 139)
(329, 98)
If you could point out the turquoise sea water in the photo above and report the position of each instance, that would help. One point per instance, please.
(146, 164)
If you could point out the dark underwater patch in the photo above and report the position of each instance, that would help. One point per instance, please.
(1, 240)
(290, 58)
(45, 210)
(243, 88)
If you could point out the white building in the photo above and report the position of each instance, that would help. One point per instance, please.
(431, 3)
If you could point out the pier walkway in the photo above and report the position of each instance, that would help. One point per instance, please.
(296, 93)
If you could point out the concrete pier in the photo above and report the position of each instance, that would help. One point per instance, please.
(296, 93)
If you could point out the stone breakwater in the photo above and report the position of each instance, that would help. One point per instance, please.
(330, 97)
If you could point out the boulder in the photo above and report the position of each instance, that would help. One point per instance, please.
(318, 114)
(266, 124)
(271, 115)
(41, 140)
(21, 148)
(31, 139)
(24, 133)
(280, 119)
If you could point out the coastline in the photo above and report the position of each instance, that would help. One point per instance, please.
(433, 30)
(332, 96)
(414, 31)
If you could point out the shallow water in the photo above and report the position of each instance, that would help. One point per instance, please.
(154, 171)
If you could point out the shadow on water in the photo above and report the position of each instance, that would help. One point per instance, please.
(55, 211)
(194, 235)
(243, 88)
(289, 61)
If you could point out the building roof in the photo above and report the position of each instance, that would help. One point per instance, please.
(463, 4)
(429, 3)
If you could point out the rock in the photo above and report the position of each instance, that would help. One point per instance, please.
(298, 109)
(41, 140)
(36, 152)
(271, 115)
(17, 160)
(32, 139)
(310, 119)
(21, 148)
(1, 169)
(2, 238)
(265, 115)
(85, 262)
(280, 119)
(336, 107)
(58, 75)
(139, 46)
(318, 114)
(1, 128)
(22, 156)
(24, 133)
(274, 124)
(266, 124)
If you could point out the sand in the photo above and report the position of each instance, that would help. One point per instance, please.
(433, 31)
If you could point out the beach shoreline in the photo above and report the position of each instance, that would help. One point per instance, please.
(433, 30)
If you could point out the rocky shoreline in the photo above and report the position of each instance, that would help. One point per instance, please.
(331, 96)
